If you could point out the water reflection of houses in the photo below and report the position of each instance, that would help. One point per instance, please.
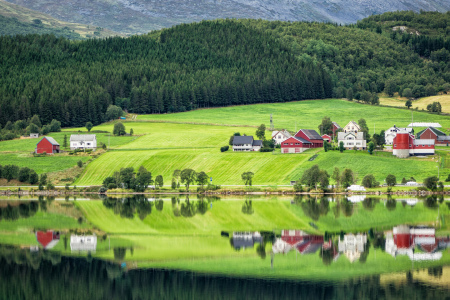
(405, 240)
(242, 240)
(83, 243)
(356, 198)
(48, 239)
(303, 242)
(353, 245)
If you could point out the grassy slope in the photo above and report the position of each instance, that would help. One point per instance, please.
(27, 16)
(419, 103)
(159, 151)
(18, 152)
(306, 114)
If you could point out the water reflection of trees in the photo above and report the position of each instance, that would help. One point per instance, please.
(46, 275)
(314, 208)
(190, 208)
(127, 207)
(369, 203)
(347, 207)
(23, 210)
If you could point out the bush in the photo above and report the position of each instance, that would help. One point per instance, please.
(67, 186)
(224, 148)
(80, 163)
(298, 187)
(431, 182)
(212, 187)
(102, 190)
(112, 186)
(369, 181)
(448, 178)
(266, 149)
(50, 186)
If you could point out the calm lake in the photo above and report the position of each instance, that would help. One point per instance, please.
(194, 247)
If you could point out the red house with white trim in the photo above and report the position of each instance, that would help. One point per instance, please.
(295, 145)
(47, 145)
(405, 145)
(311, 136)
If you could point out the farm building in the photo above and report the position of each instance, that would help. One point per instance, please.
(327, 138)
(390, 134)
(34, 135)
(47, 145)
(242, 240)
(335, 127)
(83, 141)
(47, 239)
(311, 136)
(438, 136)
(405, 145)
(404, 239)
(303, 242)
(246, 143)
(83, 242)
(295, 145)
(280, 136)
(353, 245)
(352, 126)
(352, 139)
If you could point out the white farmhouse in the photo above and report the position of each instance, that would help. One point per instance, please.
(280, 136)
(83, 141)
(390, 134)
(352, 139)
(83, 242)
(352, 126)
(246, 143)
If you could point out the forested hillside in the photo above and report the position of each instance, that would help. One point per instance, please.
(198, 65)
(212, 63)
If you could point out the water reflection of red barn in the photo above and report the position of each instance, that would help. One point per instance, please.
(48, 239)
(304, 243)
(406, 237)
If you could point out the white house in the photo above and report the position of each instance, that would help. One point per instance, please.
(280, 136)
(352, 126)
(390, 134)
(246, 143)
(83, 242)
(83, 141)
(34, 135)
(352, 139)
(353, 245)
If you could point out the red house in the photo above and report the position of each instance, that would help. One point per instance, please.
(295, 145)
(47, 145)
(48, 239)
(311, 136)
(326, 137)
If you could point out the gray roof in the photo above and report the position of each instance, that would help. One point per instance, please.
(443, 138)
(82, 137)
(239, 140)
(336, 124)
(302, 140)
(51, 140)
(312, 134)
(257, 143)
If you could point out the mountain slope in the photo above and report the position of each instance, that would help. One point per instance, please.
(15, 19)
(141, 16)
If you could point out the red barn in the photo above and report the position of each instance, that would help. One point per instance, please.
(295, 145)
(48, 239)
(311, 136)
(47, 145)
(335, 127)
(432, 133)
(405, 145)
(326, 137)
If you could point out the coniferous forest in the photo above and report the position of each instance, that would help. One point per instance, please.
(208, 64)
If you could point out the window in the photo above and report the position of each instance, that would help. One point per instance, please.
(395, 145)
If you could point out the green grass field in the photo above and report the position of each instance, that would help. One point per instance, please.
(306, 114)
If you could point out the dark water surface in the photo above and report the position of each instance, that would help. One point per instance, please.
(27, 275)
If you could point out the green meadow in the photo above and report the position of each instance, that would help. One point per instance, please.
(303, 114)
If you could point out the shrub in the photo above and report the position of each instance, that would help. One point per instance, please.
(448, 178)
(298, 187)
(224, 148)
(112, 186)
(80, 163)
(266, 149)
(431, 182)
(67, 186)
(369, 181)
(50, 186)
(102, 190)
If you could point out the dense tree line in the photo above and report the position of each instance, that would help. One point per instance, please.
(207, 64)
(24, 174)
(23, 210)
(15, 129)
